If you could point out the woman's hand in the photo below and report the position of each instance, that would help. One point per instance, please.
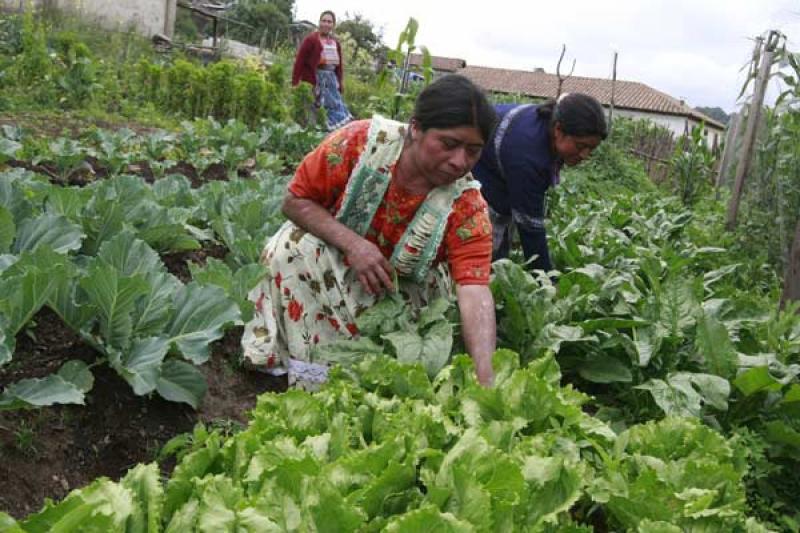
(373, 270)
(484, 372)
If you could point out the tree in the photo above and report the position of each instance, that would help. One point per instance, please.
(362, 31)
(717, 113)
(268, 19)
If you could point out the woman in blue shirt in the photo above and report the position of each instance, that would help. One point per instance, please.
(523, 160)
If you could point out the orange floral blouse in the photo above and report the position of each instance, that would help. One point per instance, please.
(467, 245)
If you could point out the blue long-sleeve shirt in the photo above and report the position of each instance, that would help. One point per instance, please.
(530, 167)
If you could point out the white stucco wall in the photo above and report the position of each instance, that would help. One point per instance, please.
(677, 125)
(147, 16)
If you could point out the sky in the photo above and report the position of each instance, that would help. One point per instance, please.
(691, 50)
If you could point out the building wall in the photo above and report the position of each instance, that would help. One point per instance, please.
(677, 125)
(147, 16)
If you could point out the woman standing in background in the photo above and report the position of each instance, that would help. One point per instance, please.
(319, 62)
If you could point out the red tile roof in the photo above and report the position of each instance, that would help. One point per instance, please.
(627, 94)
(444, 64)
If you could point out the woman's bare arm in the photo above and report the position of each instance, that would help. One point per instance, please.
(476, 305)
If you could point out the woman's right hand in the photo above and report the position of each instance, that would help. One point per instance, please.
(373, 270)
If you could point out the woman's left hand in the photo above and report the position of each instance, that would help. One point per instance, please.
(374, 271)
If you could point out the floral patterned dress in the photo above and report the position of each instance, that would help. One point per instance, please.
(311, 296)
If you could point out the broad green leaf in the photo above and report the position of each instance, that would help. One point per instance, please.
(140, 366)
(709, 278)
(714, 346)
(470, 501)
(244, 280)
(393, 479)
(7, 260)
(782, 433)
(102, 222)
(755, 380)
(101, 506)
(40, 392)
(436, 347)
(7, 230)
(687, 393)
(9, 525)
(130, 256)
(54, 231)
(387, 375)
(8, 149)
(435, 311)
(605, 369)
(200, 314)
(71, 304)
(382, 317)
(713, 389)
(347, 352)
(589, 326)
(406, 346)
(214, 272)
(144, 483)
(244, 249)
(648, 526)
(114, 296)
(554, 485)
(646, 343)
(22, 295)
(678, 306)
(175, 189)
(428, 519)
(77, 373)
(236, 285)
(7, 342)
(169, 238)
(154, 309)
(792, 395)
(184, 518)
(179, 489)
(68, 202)
(13, 197)
(506, 362)
(181, 382)
(670, 400)
(554, 335)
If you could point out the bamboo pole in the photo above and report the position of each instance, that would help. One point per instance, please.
(748, 142)
(791, 280)
(729, 152)
(613, 87)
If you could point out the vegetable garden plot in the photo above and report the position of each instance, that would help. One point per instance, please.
(646, 315)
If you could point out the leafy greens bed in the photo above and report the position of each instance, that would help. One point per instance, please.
(384, 447)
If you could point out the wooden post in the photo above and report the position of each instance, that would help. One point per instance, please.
(613, 87)
(791, 281)
(558, 70)
(748, 142)
(214, 28)
(729, 152)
